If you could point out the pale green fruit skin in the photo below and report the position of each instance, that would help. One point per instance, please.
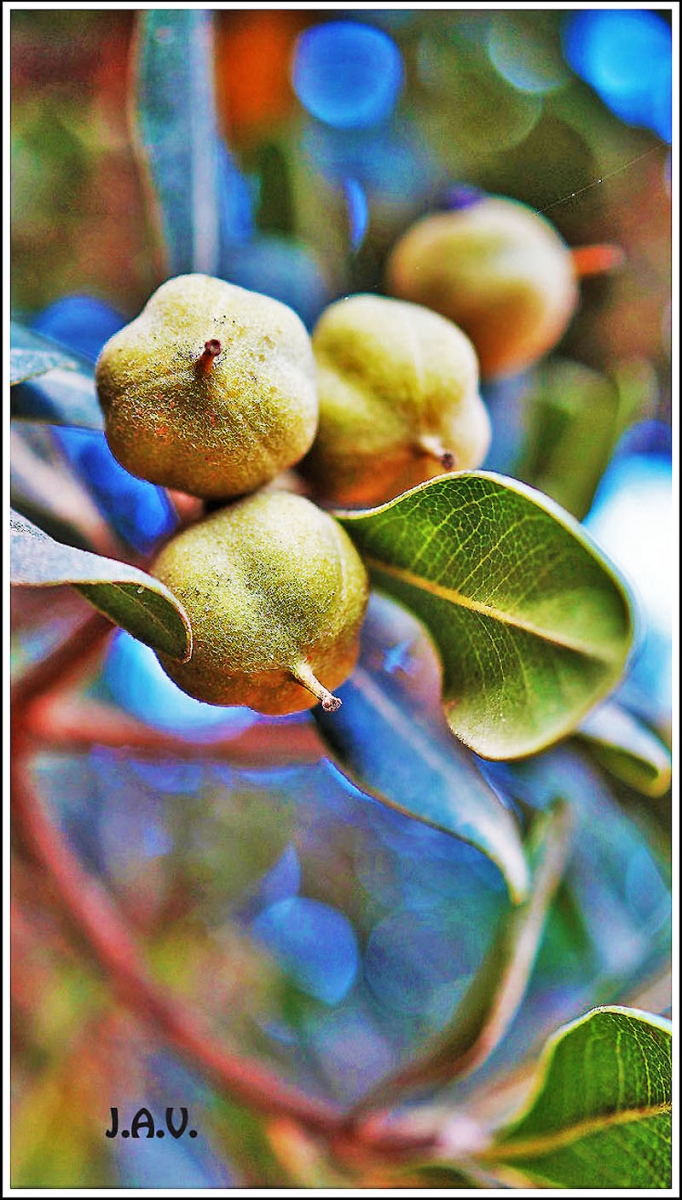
(216, 435)
(496, 268)
(268, 582)
(389, 374)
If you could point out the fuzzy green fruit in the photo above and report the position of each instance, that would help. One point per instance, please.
(497, 268)
(211, 390)
(399, 402)
(276, 594)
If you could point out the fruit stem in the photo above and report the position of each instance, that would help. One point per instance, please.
(594, 260)
(209, 353)
(430, 444)
(305, 676)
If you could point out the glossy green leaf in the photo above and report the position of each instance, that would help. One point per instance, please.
(487, 1008)
(628, 749)
(600, 1115)
(532, 623)
(177, 133)
(382, 723)
(128, 596)
(50, 384)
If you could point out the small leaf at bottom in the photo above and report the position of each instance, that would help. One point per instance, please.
(600, 1116)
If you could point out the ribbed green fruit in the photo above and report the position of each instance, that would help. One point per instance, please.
(399, 401)
(497, 268)
(211, 390)
(276, 594)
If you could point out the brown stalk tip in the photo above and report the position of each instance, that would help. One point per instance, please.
(303, 673)
(596, 260)
(431, 445)
(210, 352)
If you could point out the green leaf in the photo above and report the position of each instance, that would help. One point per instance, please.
(177, 133)
(51, 384)
(128, 596)
(575, 417)
(600, 1115)
(381, 722)
(532, 624)
(628, 749)
(487, 1008)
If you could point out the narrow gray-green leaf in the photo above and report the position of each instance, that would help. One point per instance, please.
(497, 989)
(177, 133)
(600, 1115)
(382, 722)
(628, 749)
(61, 392)
(532, 623)
(128, 596)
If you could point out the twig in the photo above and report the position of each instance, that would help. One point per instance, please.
(60, 721)
(91, 910)
(61, 665)
(94, 915)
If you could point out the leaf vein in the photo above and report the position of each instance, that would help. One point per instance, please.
(557, 1139)
(454, 596)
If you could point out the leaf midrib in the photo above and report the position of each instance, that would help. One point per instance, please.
(487, 610)
(559, 1139)
(161, 619)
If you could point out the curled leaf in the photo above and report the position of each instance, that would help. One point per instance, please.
(128, 596)
(628, 749)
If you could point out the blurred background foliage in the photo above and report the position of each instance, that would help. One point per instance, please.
(317, 929)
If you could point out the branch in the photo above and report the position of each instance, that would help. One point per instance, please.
(94, 915)
(61, 665)
(70, 722)
(96, 918)
(36, 713)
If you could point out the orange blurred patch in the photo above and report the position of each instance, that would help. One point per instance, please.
(253, 54)
(595, 260)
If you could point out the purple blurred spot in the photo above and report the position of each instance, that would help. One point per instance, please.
(463, 195)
